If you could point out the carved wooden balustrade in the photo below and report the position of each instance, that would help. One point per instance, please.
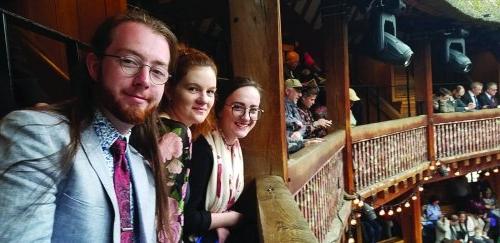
(317, 183)
(461, 134)
(386, 149)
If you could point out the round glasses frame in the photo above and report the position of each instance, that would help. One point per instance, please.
(255, 113)
(131, 67)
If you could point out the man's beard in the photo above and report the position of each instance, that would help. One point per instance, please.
(124, 112)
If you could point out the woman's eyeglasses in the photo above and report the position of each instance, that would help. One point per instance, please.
(240, 110)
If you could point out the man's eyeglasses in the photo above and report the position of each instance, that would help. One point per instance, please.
(132, 66)
(240, 110)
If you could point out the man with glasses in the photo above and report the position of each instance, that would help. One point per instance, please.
(488, 98)
(67, 173)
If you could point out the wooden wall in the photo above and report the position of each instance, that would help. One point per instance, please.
(485, 67)
(75, 18)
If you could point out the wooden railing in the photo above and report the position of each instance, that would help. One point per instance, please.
(317, 182)
(279, 217)
(462, 134)
(385, 149)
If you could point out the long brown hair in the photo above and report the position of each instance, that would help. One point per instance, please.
(80, 110)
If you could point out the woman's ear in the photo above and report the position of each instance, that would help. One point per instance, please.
(93, 65)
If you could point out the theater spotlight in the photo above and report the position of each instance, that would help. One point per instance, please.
(388, 48)
(455, 57)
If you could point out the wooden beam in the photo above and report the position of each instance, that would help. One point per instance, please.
(412, 230)
(337, 87)
(256, 54)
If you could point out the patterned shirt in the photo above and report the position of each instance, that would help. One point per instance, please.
(107, 135)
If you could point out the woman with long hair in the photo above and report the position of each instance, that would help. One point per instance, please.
(188, 99)
(217, 179)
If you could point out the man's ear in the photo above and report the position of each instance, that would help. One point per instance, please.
(93, 65)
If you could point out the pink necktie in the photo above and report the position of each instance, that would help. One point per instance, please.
(121, 180)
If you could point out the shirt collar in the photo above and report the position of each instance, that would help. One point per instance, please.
(106, 132)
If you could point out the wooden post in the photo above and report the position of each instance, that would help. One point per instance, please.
(337, 87)
(410, 221)
(256, 54)
(423, 73)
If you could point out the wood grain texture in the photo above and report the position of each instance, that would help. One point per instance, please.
(280, 217)
(465, 116)
(256, 54)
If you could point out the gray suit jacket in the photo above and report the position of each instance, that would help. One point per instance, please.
(39, 202)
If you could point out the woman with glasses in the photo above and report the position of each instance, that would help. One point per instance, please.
(217, 179)
(187, 101)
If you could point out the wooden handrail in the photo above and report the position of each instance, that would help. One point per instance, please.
(369, 131)
(280, 219)
(465, 116)
(308, 161)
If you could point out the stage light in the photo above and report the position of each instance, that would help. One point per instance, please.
(455, 57)
(387, 47)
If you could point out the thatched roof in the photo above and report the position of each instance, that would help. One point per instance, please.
(477, 11)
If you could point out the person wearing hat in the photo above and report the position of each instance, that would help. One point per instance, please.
(293, 120)
(292, 61)
(353, 97)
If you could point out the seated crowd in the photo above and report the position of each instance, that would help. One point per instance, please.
(478, 223)
(459, 100)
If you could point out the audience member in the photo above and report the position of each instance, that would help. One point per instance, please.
(67, 173)
(471, 95)
(488, 99)
(353, 97)
(292, 61)
(458, 93)
(443, 229)
(217, 170)
(313, 128)
(444, 102)
(188, 99)
(432, 213)
(293, 120)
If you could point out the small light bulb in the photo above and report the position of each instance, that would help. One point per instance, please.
(399, 209)
(351, 240)
(390, 212)
(414, 197)
(353, 222)
(381, 212)
(361, 203)
(420, 189)
(432, 167)
(479, 171)
(426, 178)
(356, 201)
(495, 170)
(457, 173)
(407, 205)
(487, 173)
(438, 163)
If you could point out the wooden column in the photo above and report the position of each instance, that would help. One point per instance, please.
(423, 74)
(337, 87)
(410, 221)
(256, 53)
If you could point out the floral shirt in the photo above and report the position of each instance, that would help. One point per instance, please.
(178, 175)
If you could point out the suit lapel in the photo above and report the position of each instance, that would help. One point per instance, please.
(144, 195)
(94, 153)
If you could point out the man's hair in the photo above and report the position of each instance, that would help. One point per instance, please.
(475, 84)
(490, 84)
(80, 110)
